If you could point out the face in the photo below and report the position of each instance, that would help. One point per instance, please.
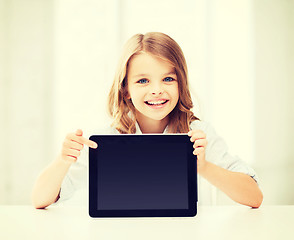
(152, 87)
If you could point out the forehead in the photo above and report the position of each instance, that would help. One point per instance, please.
(147, 63)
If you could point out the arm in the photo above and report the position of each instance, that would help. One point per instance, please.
(238, 186)
(48, 184)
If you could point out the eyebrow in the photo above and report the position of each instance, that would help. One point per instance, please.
(146, 75)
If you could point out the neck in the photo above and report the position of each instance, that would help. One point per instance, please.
(152, 126)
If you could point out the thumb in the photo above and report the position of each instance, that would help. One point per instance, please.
(79, 132)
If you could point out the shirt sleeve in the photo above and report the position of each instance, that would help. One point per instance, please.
(217, 151)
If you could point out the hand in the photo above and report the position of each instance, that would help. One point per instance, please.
(73, 144)
(200, 143)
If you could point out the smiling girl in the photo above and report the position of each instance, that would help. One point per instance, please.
(150, 94)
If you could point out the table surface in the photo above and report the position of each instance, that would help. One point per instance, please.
(211, 222)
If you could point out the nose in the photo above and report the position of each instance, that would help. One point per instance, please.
(156, 89)
(156, 93)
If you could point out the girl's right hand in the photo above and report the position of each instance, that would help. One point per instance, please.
(73, 144)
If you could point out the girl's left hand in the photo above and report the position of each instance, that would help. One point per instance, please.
(200, 143)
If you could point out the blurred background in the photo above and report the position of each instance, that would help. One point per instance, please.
(57, 62)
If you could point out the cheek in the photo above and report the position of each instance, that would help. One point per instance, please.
(135, 94)
(175, 93)
(130, 92)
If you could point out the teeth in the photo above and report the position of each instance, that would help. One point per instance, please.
(156, 103)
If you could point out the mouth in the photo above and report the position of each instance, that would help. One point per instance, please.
(156, 102)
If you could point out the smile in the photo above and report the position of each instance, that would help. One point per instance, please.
(156, 103)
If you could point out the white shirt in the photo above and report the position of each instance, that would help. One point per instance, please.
(74, 188)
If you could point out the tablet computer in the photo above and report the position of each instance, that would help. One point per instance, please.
(142, 176)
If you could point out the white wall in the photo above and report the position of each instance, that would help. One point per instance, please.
(58, 59)
(3, 106)
(26, 87)
(86, 40)
(274, 85)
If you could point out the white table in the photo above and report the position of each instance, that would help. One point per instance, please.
(217, 222)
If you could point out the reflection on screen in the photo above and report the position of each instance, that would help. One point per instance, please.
(140, 176)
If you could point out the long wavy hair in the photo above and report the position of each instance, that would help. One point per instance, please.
(122, 109)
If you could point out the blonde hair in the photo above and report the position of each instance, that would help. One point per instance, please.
(160, 45)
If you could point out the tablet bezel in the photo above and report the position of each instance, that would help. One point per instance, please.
(191, 171)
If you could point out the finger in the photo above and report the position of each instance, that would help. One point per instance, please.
(68, 157)
(72, 152)
(79, 132)
(75, 136)
(82, 140)
(200, 143)
(196, 131)
(191, 132)
(90, 143)
(72, 144)
(199, 150)
(197, 134)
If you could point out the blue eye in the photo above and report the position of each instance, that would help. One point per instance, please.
(144, 80)
(168, 79)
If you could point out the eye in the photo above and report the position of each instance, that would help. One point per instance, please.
(168, 79)
(142, 81)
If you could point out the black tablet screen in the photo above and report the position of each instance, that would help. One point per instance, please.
(139, 176)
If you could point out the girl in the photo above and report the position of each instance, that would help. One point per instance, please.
(150, 94)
